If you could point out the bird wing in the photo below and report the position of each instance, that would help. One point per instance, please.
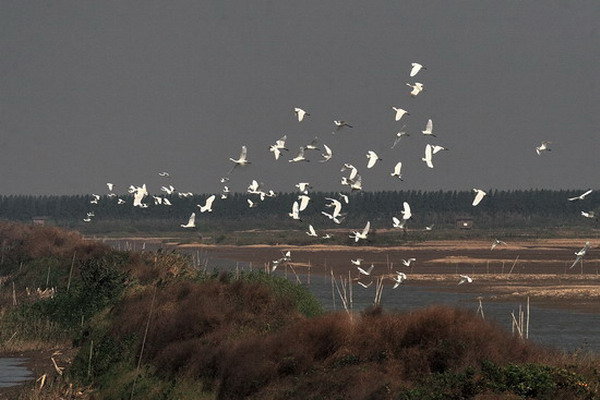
(406, 212)
(311, 229)
(396, 221)
(210, 201)
(303, 202)
(480, 194)
(582, 196)
(372, 159)
(243, 153)
(367, 228)
(429, 126)
(415, 69)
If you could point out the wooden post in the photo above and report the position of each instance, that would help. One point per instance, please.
(513, 266)
(527, 323)
(48, 277)
(14, 294)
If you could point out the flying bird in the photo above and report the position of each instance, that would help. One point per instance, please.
(295, 214)
(191, 222)
(164, 174)
(327, 155)
(581, 196)
(363, 234)
(358, 261)
(416, 88)
(430, 227)
(429, 128)
(408, 262)
(399, 136)
(373, 158)
(398, 224)
(496, 243)
(437, 149)
(242, 161)
(300, 157)
(110, 186)
(400, 277)
(406, 213)
(398, 171)
(415, 68)
(366, 272)
(399, 113)
(311, 231)
(312, 145)
(428, 156)
(208, 204)
(251, 204)
(589, 214)
(303, 187)
(479, 194)
(339, 125)
(580, 254)
(465, 279)
(300, 114)
(304, 199)
(345, 198)
(542, 147)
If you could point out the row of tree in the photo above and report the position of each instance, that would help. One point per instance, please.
(509, 209)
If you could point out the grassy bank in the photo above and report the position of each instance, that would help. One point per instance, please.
(149, 326)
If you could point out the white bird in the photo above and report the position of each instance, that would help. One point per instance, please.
(542, 147)
(589, 214)
(479, 194)
(304, 199)
(312, 145)
(398, 171)
(326, 236)
(406, 213)
(331, 217)
(366, 286)
(429, 128)
(396, 223)
(303, 187)
(580, 254)
(366, 272)
(399, 113)
(275, 150)
(139, 195)
(345, 198)
(430, 227)
(355, 184)
(581, 196)
(373, 158)
(208, 204)
(224, 179)
(416, 88)
(428, 156)
(254, 187)
(363, 234)
(415, 68)
(191, 222)
(336, 204)
(353, 170)
(251, 204)
(120, 201)
(185, 194)
(465, 279)
(327, 155)
(111, 195)
(166, 202)
(497, 242)
(300, 114)
(242, 161)
(90, 214)
(311, 231)
(409, 261)
(300, 157)
(437, 149)
(157, 200)
(339, 125)
(281, 143)
(225, 192)
(400, 277)
(87, 219)
(110, 186)
(95, 199)
(358, 261)
(399, 136)
(167, 190)
(164, 174)
(295, 214)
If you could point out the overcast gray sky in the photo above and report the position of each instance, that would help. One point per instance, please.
(94, 91)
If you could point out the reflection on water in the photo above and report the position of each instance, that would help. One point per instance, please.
(558, 328)
(13, 372)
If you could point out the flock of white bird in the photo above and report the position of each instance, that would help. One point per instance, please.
(352, 179)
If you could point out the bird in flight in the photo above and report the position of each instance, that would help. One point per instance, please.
(208, 204)
(496, 243)
(479, 194)
(311, 231)
(242, 161)
(408, 262)
(363, 234)
(542, 147)
(581, 196)
(327, 155)
(415, 68)
(300, 114)
(416, 88)
(429, 128)
(580, 254)
(372, 158)
(339, 125)
(399, 136)
(191, 222)
(428, 156)
(400, 112)
(397, 171)
(465, 279)
(366, 271)
(300, 157)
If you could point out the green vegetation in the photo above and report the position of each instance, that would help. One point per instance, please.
(149, 326)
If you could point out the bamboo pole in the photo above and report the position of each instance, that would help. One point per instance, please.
(527, 323)
(513, 266)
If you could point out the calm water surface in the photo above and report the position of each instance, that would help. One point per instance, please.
(13, 372)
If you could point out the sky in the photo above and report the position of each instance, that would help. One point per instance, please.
(94, 92)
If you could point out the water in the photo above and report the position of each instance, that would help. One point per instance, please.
(13, 372)
(560, 328)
